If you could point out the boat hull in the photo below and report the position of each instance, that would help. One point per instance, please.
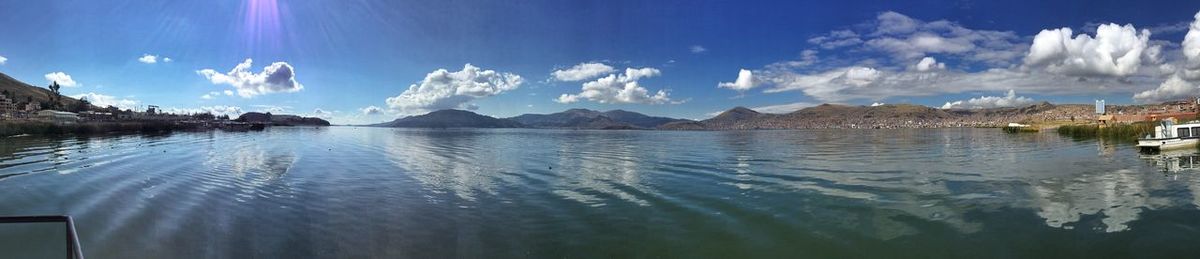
(1167, 144)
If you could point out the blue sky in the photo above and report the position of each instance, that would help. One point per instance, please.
(336, 59)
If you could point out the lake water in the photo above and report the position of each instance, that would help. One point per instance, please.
(346, 192)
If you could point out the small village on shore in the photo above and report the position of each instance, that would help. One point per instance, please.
(58, 114)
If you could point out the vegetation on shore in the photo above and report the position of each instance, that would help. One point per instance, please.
(1120, 132)
(10, 128)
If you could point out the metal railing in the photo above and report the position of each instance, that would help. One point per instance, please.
(72, 240)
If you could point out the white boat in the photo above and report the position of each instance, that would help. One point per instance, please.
(1167, 135)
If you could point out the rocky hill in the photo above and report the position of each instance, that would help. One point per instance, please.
(589, 119)
(451, 119)
(21, 93)
(281, 119)
(883, 116)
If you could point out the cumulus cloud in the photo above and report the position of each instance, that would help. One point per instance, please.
(1115, 51)
(836, 39)
(271, 108)
(3, 60)
(63, 79)
(983, 102)
(442, 89)
(865, 83)
(148, 59)
(582, 71)
(904, 38)
(567, 98)
(783, 108)
(371, 110)
(323, 114)
(1191, 50)
(279, 77)
(214, 94)
(877, 104)
(893, 56)
(745, 81)
(620, 88)
(1174, 88)
(928, 64)
(107, 100)
(218, 110)
(697, 49)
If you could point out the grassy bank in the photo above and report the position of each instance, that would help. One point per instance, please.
(1120, 132)
(10, 128)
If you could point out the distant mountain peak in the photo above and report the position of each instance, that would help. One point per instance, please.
(451, 118)
(589, 119)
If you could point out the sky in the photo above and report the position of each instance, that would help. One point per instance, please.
(366, 61)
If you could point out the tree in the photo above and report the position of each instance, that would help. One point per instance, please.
(56, 97)
(82, 105)
(54, 87)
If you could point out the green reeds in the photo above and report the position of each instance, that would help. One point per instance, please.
(1120, 132)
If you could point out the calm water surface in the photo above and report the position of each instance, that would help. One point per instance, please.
(344, 192)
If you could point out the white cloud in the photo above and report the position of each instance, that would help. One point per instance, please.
(906, 39)
(863, 83)
(582, 71)
(893, 55)
(697, 49)
(63, 79)
(279, 77)
(228, 92)
(836, 39)
(1115, 51)
(323, 114)
(1191, 50)
(371, 110)
(983, 102)
(272, 108)
(218, 110)
(745, 81)
(877, 104)
(928, 64)
(3, 60)
(148, 59)
(210, 95)
(783, 108)
(567, 98)
(620, 88)
(167, 60)
(896, 23)
(101, 100)
(443, 89)
(1174, 88)
(808, 57)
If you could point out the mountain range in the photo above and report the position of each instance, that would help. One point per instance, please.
(741, 118)
(589, 119)
(569, 119)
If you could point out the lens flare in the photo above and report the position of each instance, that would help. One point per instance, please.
(261, 28)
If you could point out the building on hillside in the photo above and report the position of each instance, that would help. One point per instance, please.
(57, 116)
(97, 116)
(7, 108)
(32, 107)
